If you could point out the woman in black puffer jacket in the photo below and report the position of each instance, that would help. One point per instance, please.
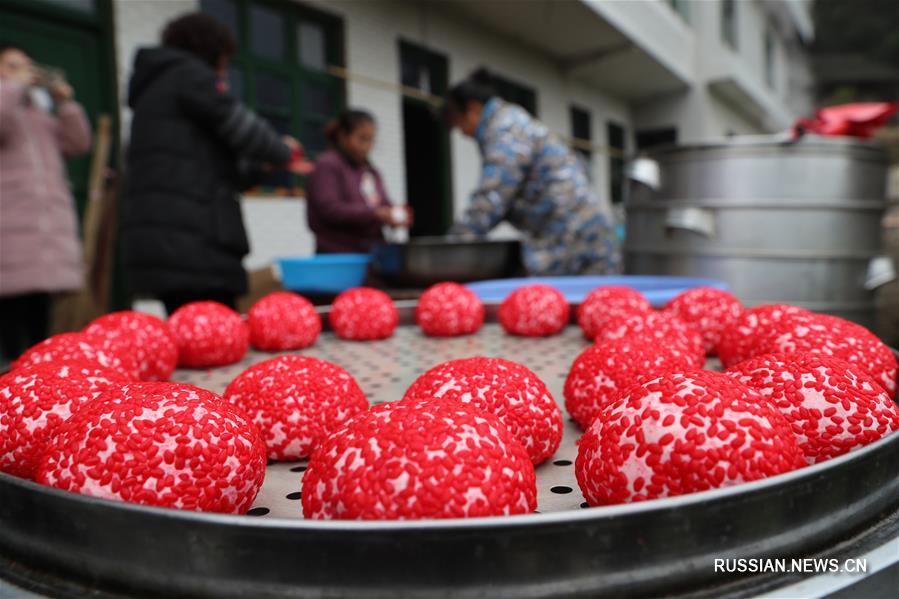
(193, 148)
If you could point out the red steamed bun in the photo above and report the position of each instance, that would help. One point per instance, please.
(664, 328)
(832, 336)
(449, 310)
(738, 340)
(283, 321)
(296, 401)
(605, 303)
(408, 460)
(832, 406)
(78, 346)
(146, 337)
(608, 368)
(682, 433)
(534, 311)
(509, 391)
(209, 334)
(161, 444)
(709, 311)
(36, 399)
(363, 314)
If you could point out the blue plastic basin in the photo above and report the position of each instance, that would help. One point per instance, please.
(658, 290)
(324, 273)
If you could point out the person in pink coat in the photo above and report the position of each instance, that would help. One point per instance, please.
(40, 253)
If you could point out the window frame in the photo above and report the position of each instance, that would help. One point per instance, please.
(575, 113)
(289, 68)
(616, 163)
(682, 9)
(769, 57)
(515, 92)
(728, 23)
(655, 137)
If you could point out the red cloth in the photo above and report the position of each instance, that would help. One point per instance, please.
(856, 120)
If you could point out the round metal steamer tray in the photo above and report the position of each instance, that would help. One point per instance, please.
(61, 543)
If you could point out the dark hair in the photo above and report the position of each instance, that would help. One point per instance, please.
(477, 87)
(203, 36)
(5, 46)
(346, 122)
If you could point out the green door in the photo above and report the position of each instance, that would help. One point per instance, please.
(77, 50)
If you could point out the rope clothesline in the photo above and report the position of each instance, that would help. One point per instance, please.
(437, 102)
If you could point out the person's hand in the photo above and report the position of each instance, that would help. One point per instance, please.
(301, 167)
(394, 216)
(298, 164)
(402, 216)
(410, 216)
(385, 215)
(293, 143)
(61, 91)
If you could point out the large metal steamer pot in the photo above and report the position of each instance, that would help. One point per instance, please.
(64, 544)
(778, 220)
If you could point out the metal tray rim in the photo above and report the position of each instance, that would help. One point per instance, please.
(656, 547)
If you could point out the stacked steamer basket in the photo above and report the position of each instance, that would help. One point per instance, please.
(841, 507)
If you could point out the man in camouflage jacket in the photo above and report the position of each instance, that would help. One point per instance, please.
(531, 179)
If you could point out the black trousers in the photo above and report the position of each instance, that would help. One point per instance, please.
(24, 321)
(173, 301)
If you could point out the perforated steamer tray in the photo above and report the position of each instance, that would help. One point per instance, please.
(385, 369)
(52, 540)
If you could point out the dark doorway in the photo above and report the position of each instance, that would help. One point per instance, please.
(582, 135)
(425, 141)
(615, 141)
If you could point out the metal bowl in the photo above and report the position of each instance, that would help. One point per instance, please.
(424, 261)
(58, 542)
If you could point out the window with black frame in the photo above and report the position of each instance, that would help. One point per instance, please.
(770, 57)
(682, 8)
(582, 136)
(615, 140)
(729, 23)
(517, 93)
(281, 71)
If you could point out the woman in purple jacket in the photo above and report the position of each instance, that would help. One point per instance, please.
(346, 203)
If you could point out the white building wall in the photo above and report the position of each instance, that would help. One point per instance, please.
(750, 40)
(700, 115)
(372, 29)
(654, 26)
(139, 23)
(747, 62)
(722, 121)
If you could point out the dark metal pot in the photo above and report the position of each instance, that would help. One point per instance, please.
(424, 261)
